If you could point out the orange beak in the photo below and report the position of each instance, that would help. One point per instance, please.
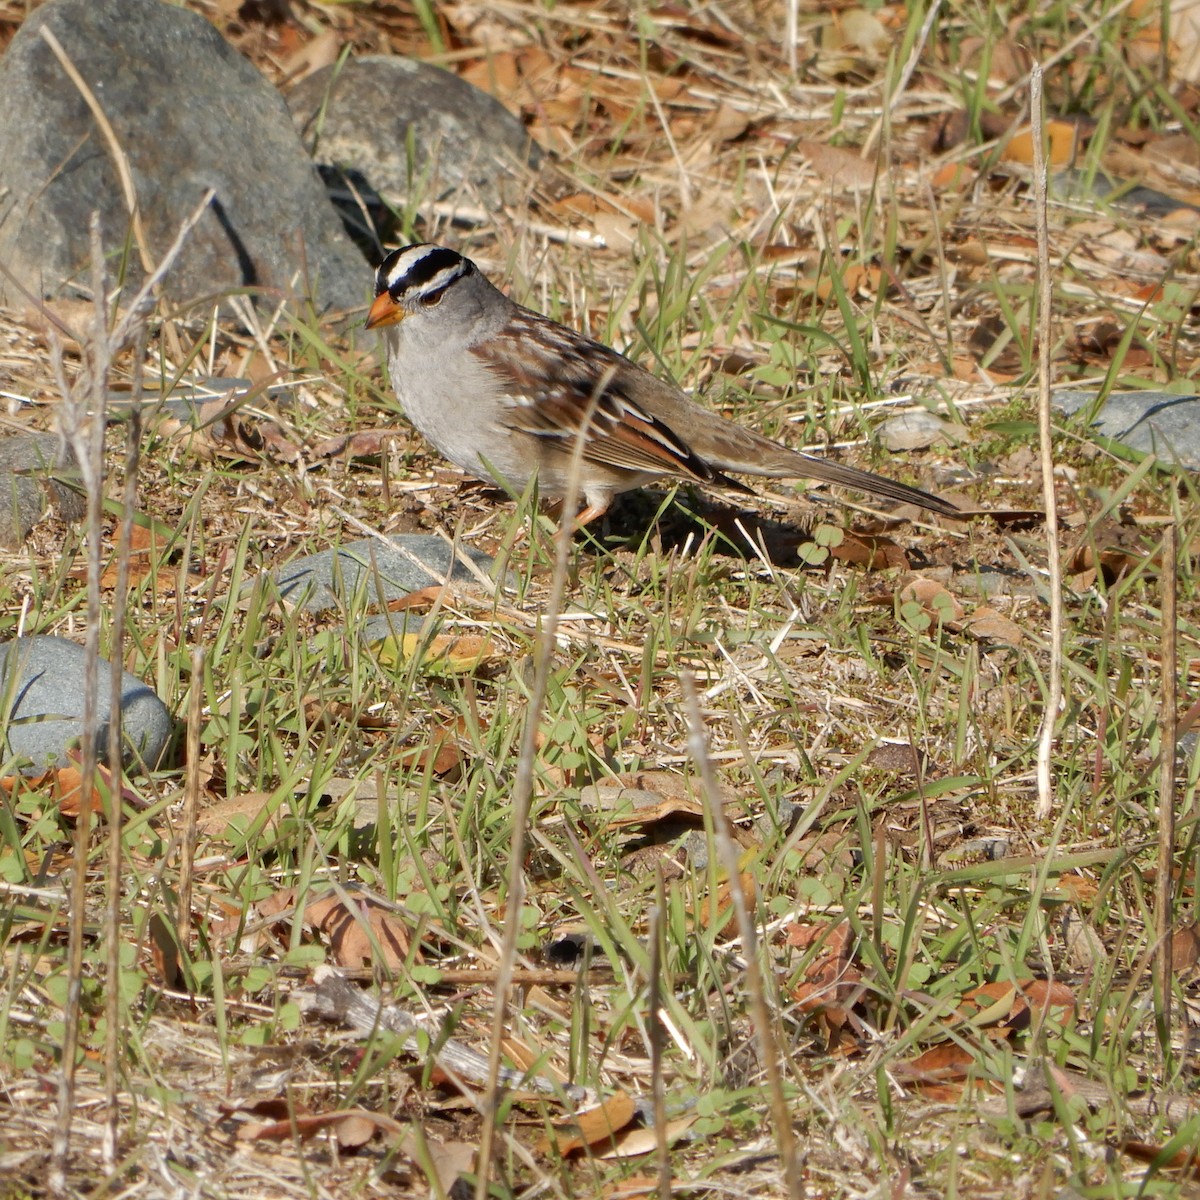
(384, 311)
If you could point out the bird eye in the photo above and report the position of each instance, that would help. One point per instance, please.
(432, 298)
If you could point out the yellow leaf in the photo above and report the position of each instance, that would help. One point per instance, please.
(445, 654)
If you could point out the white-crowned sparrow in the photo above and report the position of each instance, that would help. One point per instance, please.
(504, 392)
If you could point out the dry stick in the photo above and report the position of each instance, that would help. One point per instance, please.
(727, 853)
(112, 968)
(523, 789)
(1166, 786)
(84, 432)
(1045, 782)
(120, 165)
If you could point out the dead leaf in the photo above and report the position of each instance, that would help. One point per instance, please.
(442, 752)
(64, 787)
(353, 1128)
(987, 625)
(725, 918)
(164, 952)
(350, 944)
(444, 654)
(596, 1125)
(1185, 37)
(218, 818)
(831, 983)
(450, 1160)
(1090, 561)
(836, 166)
(366, 443)
(990, 1004)
(635, 1142)
(872, 551)
(321, 51)
(1185, 948)
(147, 543)
(1079, 889)
(1186, 1160)
(939, 1064)
(857, 29)
(932, 598)
(1066, 141)
(1044, 993)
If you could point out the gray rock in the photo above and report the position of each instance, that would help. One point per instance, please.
(357, 115)
(190, 113)
(361, 573)
(917, 431)
(1162, 423)
(33, 467)
(41, 707)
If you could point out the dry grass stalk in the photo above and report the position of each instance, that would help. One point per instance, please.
(523, 788)
(760, 1009)
(1168, 716)
(1045, 292)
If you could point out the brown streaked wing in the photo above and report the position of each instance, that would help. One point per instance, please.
(622, 434)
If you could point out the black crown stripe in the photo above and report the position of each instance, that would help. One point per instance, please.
(428, 267)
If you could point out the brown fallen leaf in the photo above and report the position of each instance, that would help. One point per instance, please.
(147, 544)
(987, 625)
(939, 1064)
(596, 1125)
(1066, 142)
(63, 786)
(442, 752)
(872, 551)
(931, 598)
(164, 951)
(367, 443)
(353, 1128)
(450, 1160)
(635, 1142)
(834, 165)
(312, 55)
(831, 983)
(219, 818)
(350, 944)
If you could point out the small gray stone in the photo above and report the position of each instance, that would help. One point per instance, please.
(189, 113)
(41, 706)
(33, 472)
(366, 571)
(357, 115)
(1163, 423)
(917, 431)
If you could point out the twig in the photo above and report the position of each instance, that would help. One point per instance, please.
(333, 998)
(1054, 690)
